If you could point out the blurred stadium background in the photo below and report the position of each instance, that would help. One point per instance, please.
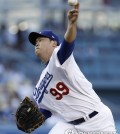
(97, 51)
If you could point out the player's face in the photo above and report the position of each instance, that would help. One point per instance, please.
(44, 48)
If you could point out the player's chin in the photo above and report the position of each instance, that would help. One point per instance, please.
(37, 52)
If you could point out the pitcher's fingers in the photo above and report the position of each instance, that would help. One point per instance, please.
(76, 6)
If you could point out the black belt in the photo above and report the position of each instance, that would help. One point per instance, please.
(81, 120)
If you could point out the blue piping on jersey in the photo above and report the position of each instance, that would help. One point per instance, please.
(65, 51)
(46, 113)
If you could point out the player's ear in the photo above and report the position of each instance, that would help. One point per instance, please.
(54, 43)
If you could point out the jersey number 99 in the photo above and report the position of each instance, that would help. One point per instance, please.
(60, 90)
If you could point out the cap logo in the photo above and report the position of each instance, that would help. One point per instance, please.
(53, 36)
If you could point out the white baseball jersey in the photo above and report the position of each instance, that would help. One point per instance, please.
(63, 89)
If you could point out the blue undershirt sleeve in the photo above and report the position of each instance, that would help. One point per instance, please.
(46, 113)
(65, 51)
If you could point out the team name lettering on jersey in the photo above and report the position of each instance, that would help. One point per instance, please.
(39, 91)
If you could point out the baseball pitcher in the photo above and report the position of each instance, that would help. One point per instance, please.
(62, 88)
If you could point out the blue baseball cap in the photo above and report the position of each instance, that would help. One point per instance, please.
(47, 33)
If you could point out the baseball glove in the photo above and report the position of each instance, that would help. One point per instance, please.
(28, 116)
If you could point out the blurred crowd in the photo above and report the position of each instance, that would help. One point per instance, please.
(14, 86)
(13, 36)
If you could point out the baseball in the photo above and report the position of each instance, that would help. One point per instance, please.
(72, 2)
